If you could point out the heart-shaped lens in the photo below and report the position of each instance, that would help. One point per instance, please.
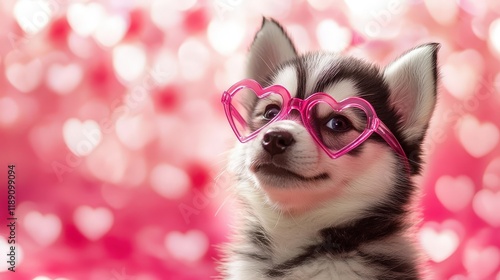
(336, 127)
(251, 111)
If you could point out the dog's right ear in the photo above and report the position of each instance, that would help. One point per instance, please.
(271, 47)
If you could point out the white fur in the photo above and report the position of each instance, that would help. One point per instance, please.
(288, 79)
(342, 90)
(320, 63)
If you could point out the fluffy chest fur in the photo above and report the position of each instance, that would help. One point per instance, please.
(306, 215)
(356, 251)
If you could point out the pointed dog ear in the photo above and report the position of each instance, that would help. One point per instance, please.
(271, 47)
(412, 80)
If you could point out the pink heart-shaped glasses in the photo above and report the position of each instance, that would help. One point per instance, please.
(337, 127)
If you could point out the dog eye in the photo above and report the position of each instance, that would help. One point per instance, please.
(271, 111)
(339, 124)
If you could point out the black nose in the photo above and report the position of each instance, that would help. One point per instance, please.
(276, 141)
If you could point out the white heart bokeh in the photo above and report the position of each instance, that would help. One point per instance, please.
(129, 61)
(333, 37)
(189, 247)
(491, 176)
(25, 76)
(454, 193)
(93, 223)
(462, 72)
(84, 18)
(44, 229)
(169, 181)
(477, 138)
(34, 15)
(486, 204)
(481, 262)
(111, 30)
(81, 137)
(63, 79)
(438, 244)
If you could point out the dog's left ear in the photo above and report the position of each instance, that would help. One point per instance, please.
(271, 47)
(412, 80)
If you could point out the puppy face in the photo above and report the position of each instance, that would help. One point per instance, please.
(283, 167)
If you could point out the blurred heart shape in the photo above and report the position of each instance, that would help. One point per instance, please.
(108, 163)
(63, 79)
(194, 57)
(111, 30)
(44, 229)
(226, 36)
(454, 193)
(93, 223)
(438, 244)
(486, 205)
(85, 18)
(494, 37)
(478, 139)
(491, 176)
(81, 137)
(33, 15)
(333, 37)
(9, 111)
(481, 262)
(129, 63)
(462, 72)
(188, 247)
(135, 131)
(445, 12)
(169, 181)
(45, 139)
(25, 77)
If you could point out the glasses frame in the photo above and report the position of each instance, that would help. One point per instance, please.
(304, 106)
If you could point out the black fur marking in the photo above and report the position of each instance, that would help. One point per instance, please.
(345, 239)
(253, 256)
(258, 236)
(435, 72)
(301, 78)
(282, 269)
(391, 266)
(365, 76)
(341, 240)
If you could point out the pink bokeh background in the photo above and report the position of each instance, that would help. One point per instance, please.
(110, 112)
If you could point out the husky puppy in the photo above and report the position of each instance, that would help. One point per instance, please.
(306, 215)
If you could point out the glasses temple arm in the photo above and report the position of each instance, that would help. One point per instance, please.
(387, 135)
(237, 115)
